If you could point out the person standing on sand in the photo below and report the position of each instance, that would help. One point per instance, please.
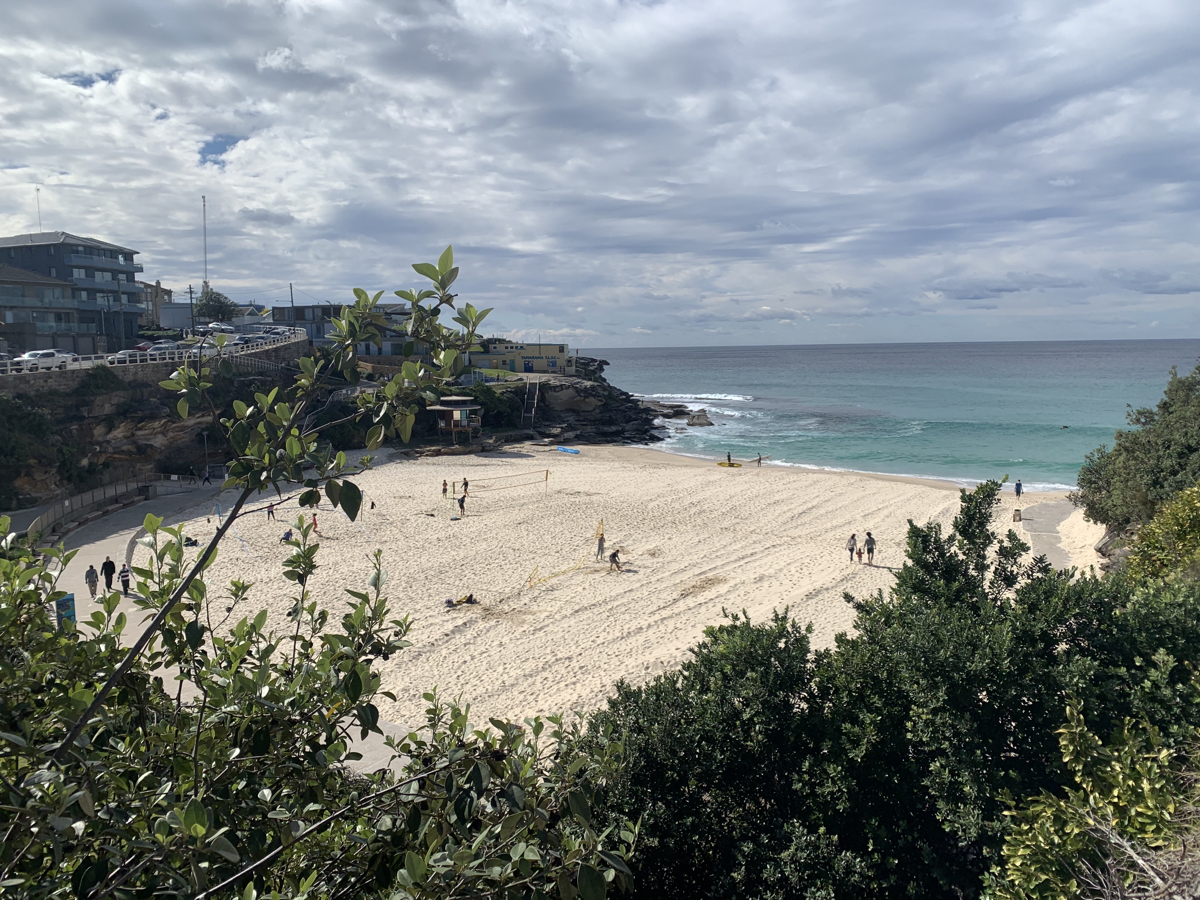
(614, 561)
(466, 484)
(445, 488)
(462, 504)
(870, 545)
(758, 462)
(270, 512)
(108, 569)
(316, 530)
(600, 549)
(92, 578)
(852, 545)
(1017, 487)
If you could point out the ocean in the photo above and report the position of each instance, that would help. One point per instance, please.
(963, 412)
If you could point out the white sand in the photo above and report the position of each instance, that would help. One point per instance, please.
(1078, 538)
(695, 537)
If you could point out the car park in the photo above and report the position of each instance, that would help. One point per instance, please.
(41, 360)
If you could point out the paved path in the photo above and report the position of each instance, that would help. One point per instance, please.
(112, 535)
(1041, 523)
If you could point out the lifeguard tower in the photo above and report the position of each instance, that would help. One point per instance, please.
(457, 415)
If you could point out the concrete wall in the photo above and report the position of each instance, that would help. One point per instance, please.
(34, 383)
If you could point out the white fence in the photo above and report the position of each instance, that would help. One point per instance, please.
(203, 350)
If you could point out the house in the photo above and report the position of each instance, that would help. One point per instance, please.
(101, 276)
(317, 320)
(154, 296)
(38, 313)
(519, 356)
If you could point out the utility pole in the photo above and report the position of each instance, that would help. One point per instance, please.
(37, 195)
(204, 213)
(192, 308)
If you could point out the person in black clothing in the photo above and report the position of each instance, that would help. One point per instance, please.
(462, 505)
(270, 512)
(192, 474)
(108, 569)
(1018, 488)
(614, 560)
(207, 479)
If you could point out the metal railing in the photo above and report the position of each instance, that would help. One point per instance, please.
(83, 503)
(131, 358)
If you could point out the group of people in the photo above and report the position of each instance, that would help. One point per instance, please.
(108, 569)
(856, 549)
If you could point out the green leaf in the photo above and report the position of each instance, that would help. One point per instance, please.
(446, 260)
(333, 491)
(226, 849)
(194, 632)
(225, 367)
(195, 819)
(591, 883)
(351, 500)
(182, 408)
(427, 270)
(579, 807)
(414, 866)
(354, 686)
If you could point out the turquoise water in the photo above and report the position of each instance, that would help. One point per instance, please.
(963, 412)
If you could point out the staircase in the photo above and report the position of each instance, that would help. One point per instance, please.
(531, 398)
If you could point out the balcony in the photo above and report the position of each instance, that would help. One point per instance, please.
(63, 328)
(103, 262)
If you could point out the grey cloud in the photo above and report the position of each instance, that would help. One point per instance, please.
(669, 166)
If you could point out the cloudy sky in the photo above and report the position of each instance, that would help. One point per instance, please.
(670, 173)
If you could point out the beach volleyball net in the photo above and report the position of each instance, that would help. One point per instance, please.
(504, 482)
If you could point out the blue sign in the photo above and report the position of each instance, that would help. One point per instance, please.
(64, 608)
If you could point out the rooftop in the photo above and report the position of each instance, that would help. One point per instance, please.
(17, 275)
(58, 237)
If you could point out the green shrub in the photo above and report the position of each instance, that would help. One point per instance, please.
(1148, 465)
(1170, 542)
(100, 379)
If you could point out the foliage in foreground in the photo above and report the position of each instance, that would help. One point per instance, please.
(197, 758)
(1118, 830)
(880, 768)
(1148, 464)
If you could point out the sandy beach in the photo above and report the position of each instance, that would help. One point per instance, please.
(554, 629)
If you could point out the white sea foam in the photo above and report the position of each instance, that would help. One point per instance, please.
(693, 398)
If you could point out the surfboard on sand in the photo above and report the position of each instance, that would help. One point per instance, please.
(729, 465)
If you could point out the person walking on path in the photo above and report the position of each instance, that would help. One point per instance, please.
(207, 479)
(462, 504)
(600, 549)
(92, 578)
(614, 561)
(870, 545)
(108, 569)
(192, 474)
(126, 574)
(852, 545)
(270, 512)
(1017, 487)
(445, 487)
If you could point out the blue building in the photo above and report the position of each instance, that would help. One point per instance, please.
(104, 292)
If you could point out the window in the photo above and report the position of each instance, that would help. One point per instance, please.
(53, 271)
(560, 348)
(103, 276)
(51, 252)
(79, 295)
(79, 273)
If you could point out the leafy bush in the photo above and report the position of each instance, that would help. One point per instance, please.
(99, 380)
(501, 409)
(1170, 542)
(878, 769)
(1125, 801)
(1149, 465)
(25, 435)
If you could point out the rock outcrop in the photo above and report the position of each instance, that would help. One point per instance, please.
(585, 407)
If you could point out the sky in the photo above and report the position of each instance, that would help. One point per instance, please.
(675, 173)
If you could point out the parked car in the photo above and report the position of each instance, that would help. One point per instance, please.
(221, 328)
(143, 346)
(125, 357)
(9, 365)
(165, 346)
(39, 360)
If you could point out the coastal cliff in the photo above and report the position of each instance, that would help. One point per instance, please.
(586, 407)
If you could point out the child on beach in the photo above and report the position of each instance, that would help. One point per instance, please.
(860, 555)
(445, 487)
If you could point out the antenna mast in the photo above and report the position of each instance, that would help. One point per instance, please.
(204, 212)
(37, 193)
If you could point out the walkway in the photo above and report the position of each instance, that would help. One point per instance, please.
(1041, 523)
(112, 536)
